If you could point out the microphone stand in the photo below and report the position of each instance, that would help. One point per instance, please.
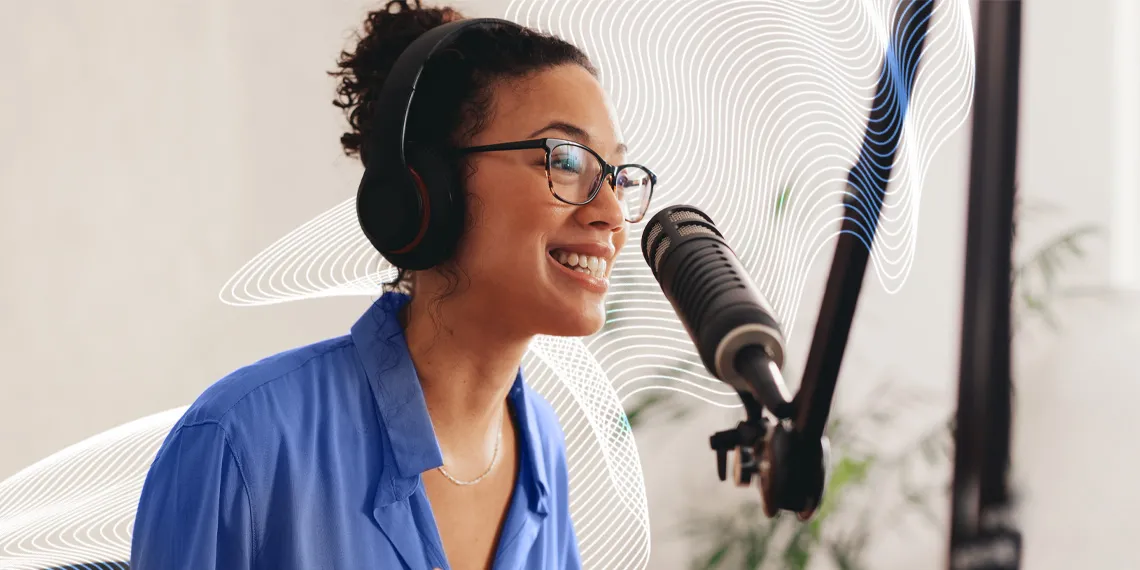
(983, 534)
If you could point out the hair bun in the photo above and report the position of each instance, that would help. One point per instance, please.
(387, 33)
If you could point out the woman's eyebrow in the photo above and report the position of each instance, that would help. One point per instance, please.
(575, 131)
(572, 130)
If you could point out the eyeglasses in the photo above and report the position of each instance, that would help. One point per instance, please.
(574, 174)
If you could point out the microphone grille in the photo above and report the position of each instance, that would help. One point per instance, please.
(678, 216)
(655, 232)
(657, 257)
(691, 229)
(684, 221)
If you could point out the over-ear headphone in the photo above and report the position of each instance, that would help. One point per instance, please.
(410, 201)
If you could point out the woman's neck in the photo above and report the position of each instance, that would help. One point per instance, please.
(465, 363)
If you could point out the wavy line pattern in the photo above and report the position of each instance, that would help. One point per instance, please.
(76, 508)
(607, 490)
(753, 110)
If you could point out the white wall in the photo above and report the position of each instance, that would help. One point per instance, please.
(1077, 388)
(149, 149)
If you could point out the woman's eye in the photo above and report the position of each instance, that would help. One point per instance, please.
(568, 163)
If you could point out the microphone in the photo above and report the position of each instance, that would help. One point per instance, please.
(740, 342)
(728, 319)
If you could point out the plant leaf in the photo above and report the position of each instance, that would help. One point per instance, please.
(713, 561)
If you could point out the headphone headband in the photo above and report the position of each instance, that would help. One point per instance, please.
(395, 99)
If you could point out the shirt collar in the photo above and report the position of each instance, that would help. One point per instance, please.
(383, 351)
(532, 444)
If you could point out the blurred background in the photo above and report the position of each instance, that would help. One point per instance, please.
(148, 150)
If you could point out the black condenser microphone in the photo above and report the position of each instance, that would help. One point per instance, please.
(729, 320)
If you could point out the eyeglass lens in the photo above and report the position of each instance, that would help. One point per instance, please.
(575, 173)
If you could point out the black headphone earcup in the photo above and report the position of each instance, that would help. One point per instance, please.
(412, 218)
(387, 206)
(439, 221)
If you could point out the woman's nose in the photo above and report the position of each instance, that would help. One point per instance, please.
(605, 210)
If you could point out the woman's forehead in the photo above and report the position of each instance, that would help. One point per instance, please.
(567, 100)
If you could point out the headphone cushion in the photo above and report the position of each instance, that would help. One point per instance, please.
(387, 205)
(441, 217)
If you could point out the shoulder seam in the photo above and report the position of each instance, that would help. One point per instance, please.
(337, 346)
(244, 481)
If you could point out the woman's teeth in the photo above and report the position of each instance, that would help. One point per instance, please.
(588, 264)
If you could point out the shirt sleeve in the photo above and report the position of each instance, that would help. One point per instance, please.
(194, 510)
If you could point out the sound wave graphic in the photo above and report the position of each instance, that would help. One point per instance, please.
(755, 111)
(77, 507)
(752, 110)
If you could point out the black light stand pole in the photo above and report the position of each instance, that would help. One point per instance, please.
(983, 535)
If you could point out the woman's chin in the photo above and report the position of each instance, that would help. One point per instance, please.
(577, 323)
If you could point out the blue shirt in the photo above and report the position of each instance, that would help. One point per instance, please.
(312, 459)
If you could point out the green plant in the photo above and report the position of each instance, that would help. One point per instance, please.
(657, 400)
(1035, 279)
(657, 403)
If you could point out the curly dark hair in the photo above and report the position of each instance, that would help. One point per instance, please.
(453, 97)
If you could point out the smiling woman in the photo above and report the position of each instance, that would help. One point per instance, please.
(414, 441)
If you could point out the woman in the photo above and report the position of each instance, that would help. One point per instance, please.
(414, 442)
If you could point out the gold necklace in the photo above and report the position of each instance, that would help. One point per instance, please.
(494, 460)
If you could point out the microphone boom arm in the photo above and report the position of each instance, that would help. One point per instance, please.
(791, 455)
(863, 203)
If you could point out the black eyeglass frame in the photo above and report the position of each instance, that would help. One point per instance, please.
(548, 145)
